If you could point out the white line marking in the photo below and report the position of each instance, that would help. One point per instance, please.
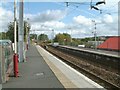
(86, 78)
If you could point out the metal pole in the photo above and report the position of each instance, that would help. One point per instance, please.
(21, 33)
(95, 37)
(95, 34)
(15, 36)
(15, 57)
(71, 35)
(53, 37)
(26, 36)
(37, 38)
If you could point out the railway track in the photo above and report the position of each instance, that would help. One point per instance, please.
(99, 75)
(109, 62)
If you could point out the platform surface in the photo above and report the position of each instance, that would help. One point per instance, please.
(73, 79)
(96, 51)
(43, 70)
(34, 73)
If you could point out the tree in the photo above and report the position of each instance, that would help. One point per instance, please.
(3, 35)
(43, 37)
(76, 42)
(59, 38)
(63, 38)
(33, 36)
(67, 39)
(10, 32)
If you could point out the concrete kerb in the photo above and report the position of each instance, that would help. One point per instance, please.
(86, 78)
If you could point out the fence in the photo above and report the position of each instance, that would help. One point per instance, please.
(6, 62)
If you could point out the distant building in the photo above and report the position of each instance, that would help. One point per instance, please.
(92, 43)
(102, 38)
(97, 42)
(112, 43)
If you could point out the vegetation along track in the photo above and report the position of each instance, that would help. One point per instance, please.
(105, 78)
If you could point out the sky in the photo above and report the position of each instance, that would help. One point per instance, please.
(76, 19)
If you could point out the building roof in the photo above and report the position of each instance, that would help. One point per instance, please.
(112, 43)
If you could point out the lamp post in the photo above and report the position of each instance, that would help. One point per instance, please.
(95, 34)
(53, 36)
(70, 33)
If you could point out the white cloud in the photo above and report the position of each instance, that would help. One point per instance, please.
(107, 18)
(49, 15)
(81, 25)
(5, 17)
(47, 20)
(106, 24)
(82, 20)
(57, 25)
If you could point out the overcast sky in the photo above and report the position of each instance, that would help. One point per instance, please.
(76, 19)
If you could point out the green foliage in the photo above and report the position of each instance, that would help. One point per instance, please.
(10, 32)
(85, 40)
(63, 38)
(76, 42)
(33, 36)
(3, 35)
(43, 37)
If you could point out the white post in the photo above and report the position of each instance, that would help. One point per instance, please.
(15, 28)
(15, 59)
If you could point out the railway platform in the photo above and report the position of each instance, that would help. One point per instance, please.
(43, 70)
(34, 73)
